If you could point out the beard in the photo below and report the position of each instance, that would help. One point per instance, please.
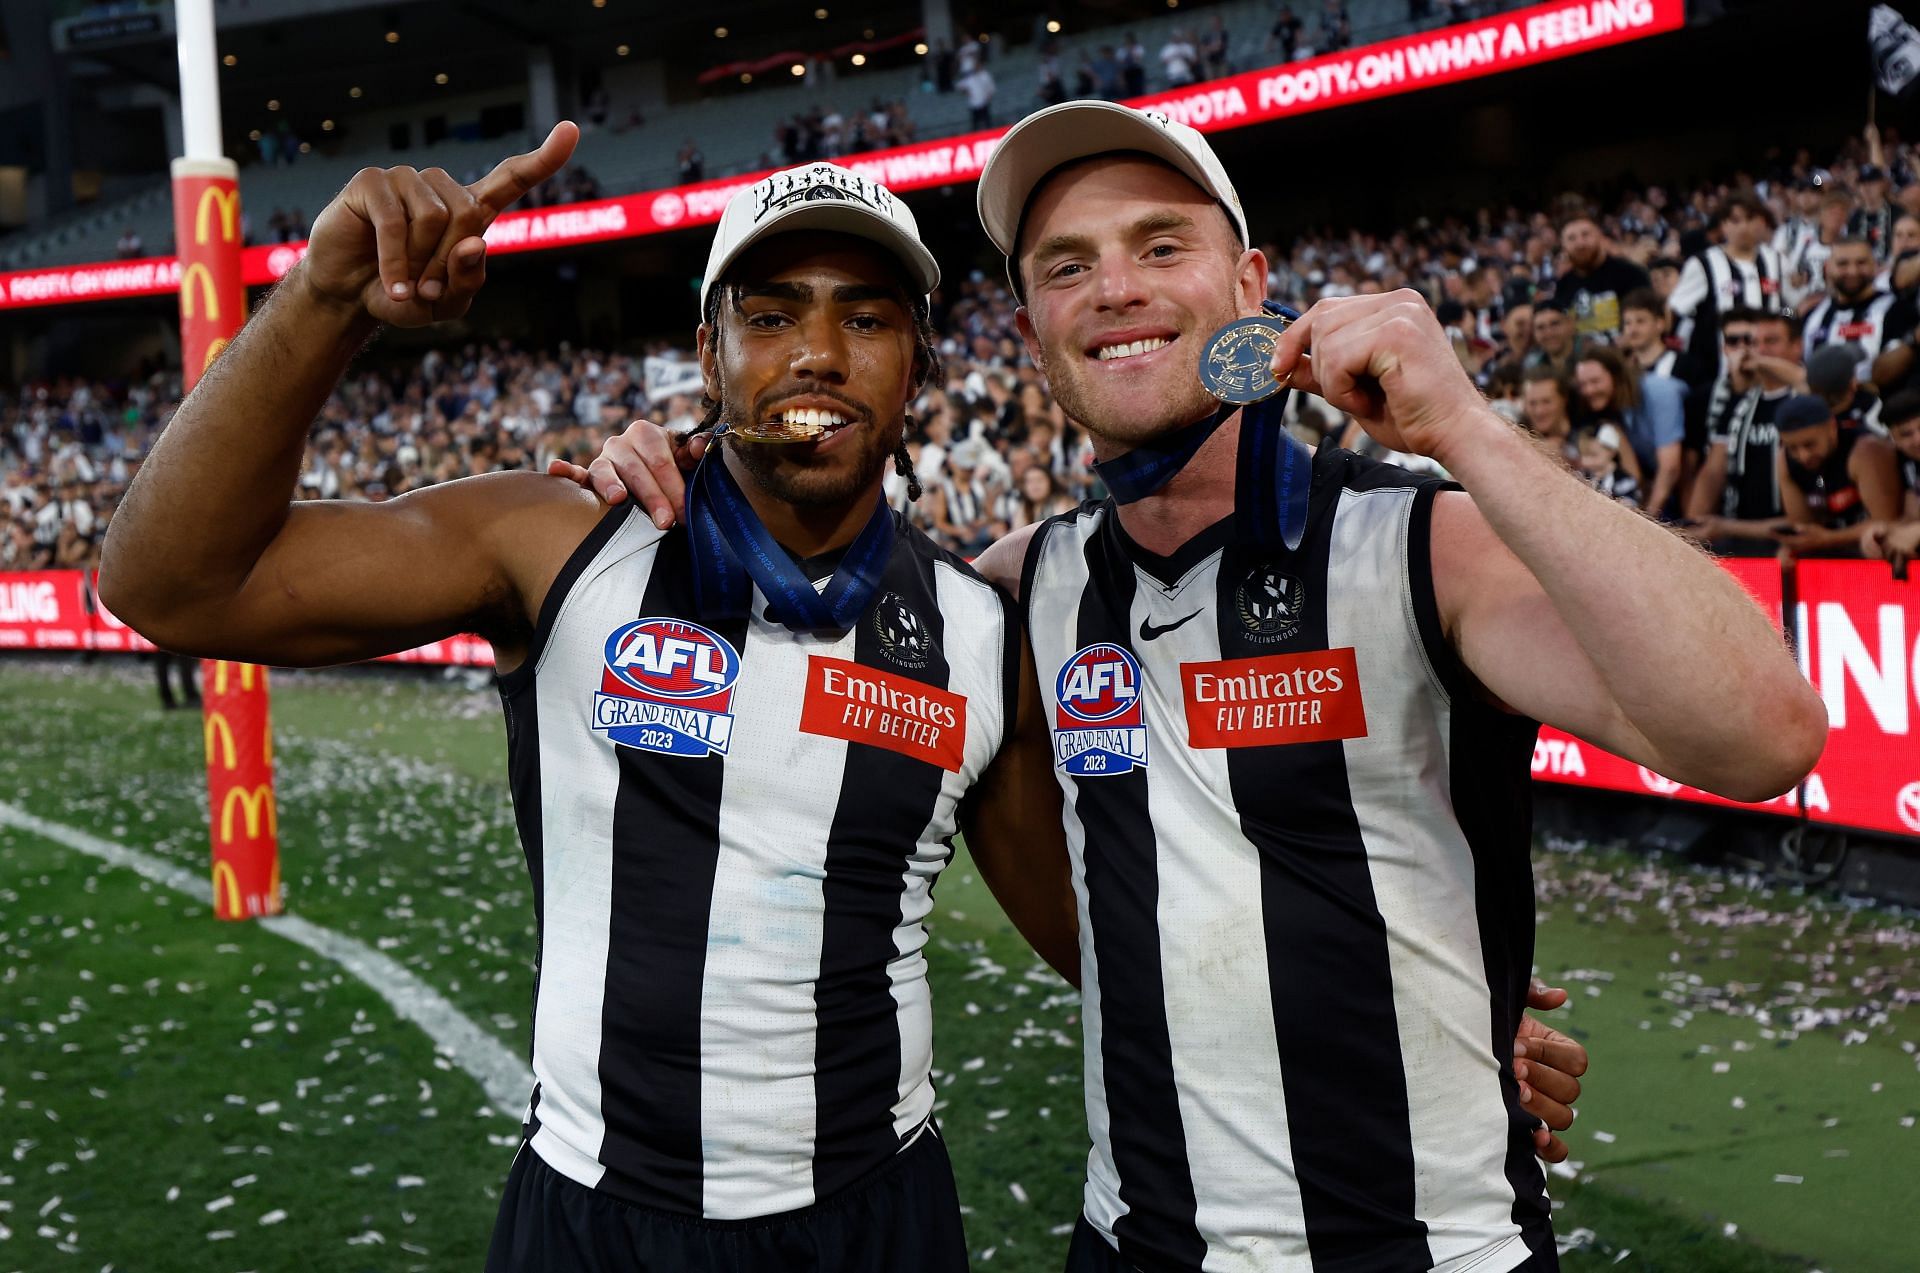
(772, 466)
(1125, 419)
(795, 474)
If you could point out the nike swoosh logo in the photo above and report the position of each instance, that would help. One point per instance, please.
(1149, 630)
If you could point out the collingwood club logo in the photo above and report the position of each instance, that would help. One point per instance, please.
(1269, 603)
(904, 639)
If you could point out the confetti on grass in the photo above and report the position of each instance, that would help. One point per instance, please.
(457, 917)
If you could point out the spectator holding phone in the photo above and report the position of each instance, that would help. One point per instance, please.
(1834, 482)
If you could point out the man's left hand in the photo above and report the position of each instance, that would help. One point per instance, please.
(644, 461)
(1547, 1065)
(1386, 361)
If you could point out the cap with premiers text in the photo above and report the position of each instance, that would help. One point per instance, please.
(1046, 139)
(819, 196)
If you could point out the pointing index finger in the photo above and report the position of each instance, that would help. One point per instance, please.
(514, 176)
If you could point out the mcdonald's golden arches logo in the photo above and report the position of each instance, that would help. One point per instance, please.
(226, 885)
(228, 202)
(247, 673)
(218, 729)
(215, 348)
(256, 806)
(209, 295)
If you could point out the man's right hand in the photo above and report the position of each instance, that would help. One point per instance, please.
(403, 246)
(1738, 371)
(646, 462)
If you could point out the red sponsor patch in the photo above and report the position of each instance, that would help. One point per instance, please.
(1274, 699)
(866, 705)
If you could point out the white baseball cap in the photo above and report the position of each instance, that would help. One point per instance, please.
(1058, 135)
(819, 196)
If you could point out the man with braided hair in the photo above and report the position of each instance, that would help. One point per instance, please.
(738, 751)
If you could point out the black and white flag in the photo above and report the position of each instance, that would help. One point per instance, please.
(1896, 50)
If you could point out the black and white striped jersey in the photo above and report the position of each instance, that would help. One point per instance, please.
(1872, 323)
(1713, 282)
(1747, 430)
(733, 832)
(1301, 850)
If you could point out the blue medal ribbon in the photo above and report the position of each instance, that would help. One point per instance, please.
(733, 550)
(1274, 473)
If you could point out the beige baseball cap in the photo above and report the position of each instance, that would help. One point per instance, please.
(818, 196)
(1046, 139)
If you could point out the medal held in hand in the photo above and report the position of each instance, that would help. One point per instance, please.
(1273, 475)
(1237, 364)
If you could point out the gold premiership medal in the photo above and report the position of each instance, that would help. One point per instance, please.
(1237, 364)
(778, 431)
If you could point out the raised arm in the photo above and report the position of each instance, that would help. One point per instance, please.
(209, 554)
(1628, 636)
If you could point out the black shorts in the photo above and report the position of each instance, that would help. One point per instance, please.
(1091, 1253)
(903, 1215)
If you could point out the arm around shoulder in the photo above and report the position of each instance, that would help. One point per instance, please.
(1014, 833)
(1005, 558)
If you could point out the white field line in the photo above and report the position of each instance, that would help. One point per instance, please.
(500, 1072)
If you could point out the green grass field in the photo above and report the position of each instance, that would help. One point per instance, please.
(180, 1094)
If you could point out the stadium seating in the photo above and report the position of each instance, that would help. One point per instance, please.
(733, 131)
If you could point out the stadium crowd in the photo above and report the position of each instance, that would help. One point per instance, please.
(1734, 358)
